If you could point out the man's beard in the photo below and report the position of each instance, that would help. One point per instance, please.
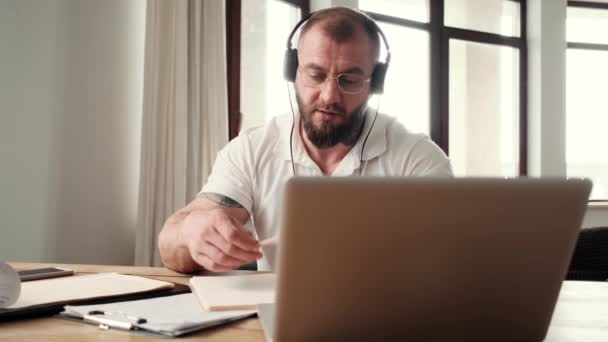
(329, 135)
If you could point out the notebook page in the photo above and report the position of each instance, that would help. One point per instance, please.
(82, 287)
(240, 292)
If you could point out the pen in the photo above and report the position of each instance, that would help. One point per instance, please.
(268, 241)
(103, 319)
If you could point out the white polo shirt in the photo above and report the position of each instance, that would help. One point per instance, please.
(253, 168)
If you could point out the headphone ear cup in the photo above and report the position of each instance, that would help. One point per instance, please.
(290, 66)
(377, 79)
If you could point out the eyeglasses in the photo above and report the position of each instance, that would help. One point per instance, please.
(348, 83)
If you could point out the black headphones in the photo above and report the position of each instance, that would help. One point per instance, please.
(290, 66)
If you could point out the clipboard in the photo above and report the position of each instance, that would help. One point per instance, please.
(170, 316)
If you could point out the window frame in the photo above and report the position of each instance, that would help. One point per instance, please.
(233, 56)
(440, 36)
(588, 46)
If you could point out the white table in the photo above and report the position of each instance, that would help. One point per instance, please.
(581, 313)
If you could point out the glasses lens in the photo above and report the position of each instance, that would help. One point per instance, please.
(350, 83)
(313, 78)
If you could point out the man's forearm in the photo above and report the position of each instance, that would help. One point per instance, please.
(173, 252)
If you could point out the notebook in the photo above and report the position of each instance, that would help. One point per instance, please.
(57, 290)
(42, 297)
(169, 316)
(235, 292)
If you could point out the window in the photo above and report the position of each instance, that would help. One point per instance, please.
(414, 10)
(457, 72)
(257, 36)
(483, 133)
(407, 84)
(586, 102)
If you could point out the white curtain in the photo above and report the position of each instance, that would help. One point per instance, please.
(185, 111)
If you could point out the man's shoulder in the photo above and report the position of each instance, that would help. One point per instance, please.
(418, 154)
(404, 141)
(263, 138)
(397, 133)
(271, 129)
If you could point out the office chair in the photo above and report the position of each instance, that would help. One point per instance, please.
(590, 259)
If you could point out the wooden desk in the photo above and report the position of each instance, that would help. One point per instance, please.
(60, 330)
(581, 315)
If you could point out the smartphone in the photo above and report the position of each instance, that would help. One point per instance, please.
(44, 273)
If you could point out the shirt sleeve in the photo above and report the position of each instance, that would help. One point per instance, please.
(426, 159)
(232, 173)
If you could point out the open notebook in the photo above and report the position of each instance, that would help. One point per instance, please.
(234, 292)
(68, 289)
(49, 295)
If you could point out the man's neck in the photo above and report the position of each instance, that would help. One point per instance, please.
(327, 159)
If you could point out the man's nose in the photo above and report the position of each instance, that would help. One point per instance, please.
(330, 92)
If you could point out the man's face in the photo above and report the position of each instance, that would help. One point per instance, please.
(329, 115)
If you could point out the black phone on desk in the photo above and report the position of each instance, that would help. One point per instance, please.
(44, 273)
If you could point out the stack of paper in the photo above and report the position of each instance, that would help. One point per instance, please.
(238, 292)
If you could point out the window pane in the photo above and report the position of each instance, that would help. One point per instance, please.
(484, 107)
(494, 16)
(417, 10)
(406, 88)
(264, 29)
(587, 118)
(587, 25)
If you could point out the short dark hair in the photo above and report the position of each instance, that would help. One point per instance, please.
(340, 23)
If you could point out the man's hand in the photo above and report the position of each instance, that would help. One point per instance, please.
(208, 233)
(216, 241)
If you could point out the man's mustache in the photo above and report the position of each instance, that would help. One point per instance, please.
(332, 109)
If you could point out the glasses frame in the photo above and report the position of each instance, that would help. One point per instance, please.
(328, 77)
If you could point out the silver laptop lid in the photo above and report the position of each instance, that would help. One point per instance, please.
(424, 259)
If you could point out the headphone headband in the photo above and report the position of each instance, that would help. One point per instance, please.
(363, 14)
(379, 73)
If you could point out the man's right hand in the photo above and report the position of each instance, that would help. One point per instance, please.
(216, 241)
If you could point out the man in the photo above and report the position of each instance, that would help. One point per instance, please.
(337, 51)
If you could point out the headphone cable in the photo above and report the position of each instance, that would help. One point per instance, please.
(365, 140)
(293, 124)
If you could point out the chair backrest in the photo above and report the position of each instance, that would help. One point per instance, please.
(590, 259)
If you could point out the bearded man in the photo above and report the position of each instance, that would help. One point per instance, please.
(333, 133)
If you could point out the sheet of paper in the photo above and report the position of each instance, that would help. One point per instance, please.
(10, 285)
(171, 315)
(82, 287)
(235, 292)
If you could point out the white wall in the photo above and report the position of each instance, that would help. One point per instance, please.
(547, 87)
(31, 106)
(70, 111)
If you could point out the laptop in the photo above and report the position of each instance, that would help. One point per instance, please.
(422, 259)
